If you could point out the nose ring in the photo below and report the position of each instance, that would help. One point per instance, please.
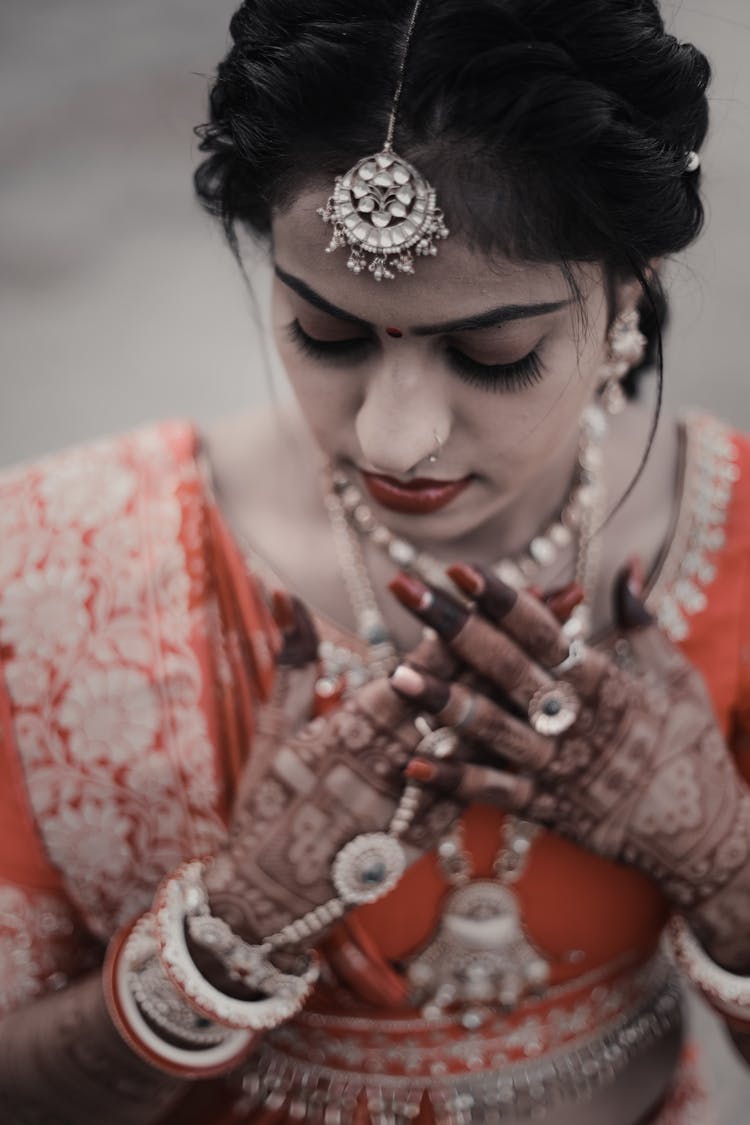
(432, 458)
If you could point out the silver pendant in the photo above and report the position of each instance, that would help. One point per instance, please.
(480, 955)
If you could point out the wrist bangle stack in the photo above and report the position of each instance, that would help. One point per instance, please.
(727, 993)
(155, 1021)
(167, 1011)
(182, 904)
(175, 1018)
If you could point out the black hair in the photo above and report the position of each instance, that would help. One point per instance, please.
(553, 130)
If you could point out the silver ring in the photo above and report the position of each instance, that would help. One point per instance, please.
(576, 653)
(468, 715)
(435, 743)
(553, 709)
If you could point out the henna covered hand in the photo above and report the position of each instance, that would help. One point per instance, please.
(641, 775)
(311, 785)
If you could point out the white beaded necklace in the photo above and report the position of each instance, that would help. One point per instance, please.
(479, 953)
(352, 521)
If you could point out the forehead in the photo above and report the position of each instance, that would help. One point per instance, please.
(458, 280)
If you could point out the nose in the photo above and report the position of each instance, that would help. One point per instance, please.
(404, 408)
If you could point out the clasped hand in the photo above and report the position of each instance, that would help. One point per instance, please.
(312, 784)
(640, 775)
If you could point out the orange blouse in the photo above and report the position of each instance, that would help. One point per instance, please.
(135, 650)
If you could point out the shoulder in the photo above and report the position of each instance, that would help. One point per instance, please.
(85, 520)
(105, 645)
(95, 539)
(60, 477)
(706, 551)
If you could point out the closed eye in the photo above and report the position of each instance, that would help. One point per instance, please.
(524, 372)
(327, 349)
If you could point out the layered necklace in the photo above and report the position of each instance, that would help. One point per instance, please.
(479, 955)
(352, 523)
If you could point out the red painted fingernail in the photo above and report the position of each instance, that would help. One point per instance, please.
(564, 602)
(283, 610)
(327, 696)
(466, 578)
(418, 770)
(395, 332)
(636, 576)
(409, 590)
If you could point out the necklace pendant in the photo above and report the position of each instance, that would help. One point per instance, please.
(480, 957)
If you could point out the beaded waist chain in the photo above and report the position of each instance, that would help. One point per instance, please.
(520, 1064)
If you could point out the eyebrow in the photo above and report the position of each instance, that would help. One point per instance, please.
(489, 319)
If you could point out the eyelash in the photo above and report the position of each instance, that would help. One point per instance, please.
(524, 372)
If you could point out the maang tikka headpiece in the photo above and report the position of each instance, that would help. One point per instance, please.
(383, 209)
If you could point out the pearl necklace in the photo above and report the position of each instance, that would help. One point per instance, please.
(479, 953)
(352, 520)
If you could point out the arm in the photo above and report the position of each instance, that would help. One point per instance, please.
(63, 1056)
(63, 1063)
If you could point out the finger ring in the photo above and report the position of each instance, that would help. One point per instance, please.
(576, 653)
(553, 709)
(467, 715)
(440, 743)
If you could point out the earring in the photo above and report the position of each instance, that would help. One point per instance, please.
(626, 347)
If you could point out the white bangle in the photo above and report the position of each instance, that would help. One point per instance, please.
(726, 992)
(183, 897)
(128, 951)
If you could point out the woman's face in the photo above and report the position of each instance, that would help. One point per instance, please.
(494, 359)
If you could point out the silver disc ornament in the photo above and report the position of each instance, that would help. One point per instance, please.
(384, 210)
(554, 709)
(480, 955)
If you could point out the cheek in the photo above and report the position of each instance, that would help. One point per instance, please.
(329, 400)
(518, 432)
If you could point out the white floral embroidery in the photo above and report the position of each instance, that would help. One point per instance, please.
(45, 611)
(100, 611)
(86, 488)
(110, 714)
(90, 839)
(34, 928)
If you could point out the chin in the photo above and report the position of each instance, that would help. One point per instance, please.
(448, 524)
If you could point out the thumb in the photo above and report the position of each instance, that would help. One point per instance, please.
(649, 645)
(298, 632)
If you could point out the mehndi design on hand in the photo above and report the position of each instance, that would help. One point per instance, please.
(312, 784)
(642, 775)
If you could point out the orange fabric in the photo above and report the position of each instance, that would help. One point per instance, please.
(570, 899)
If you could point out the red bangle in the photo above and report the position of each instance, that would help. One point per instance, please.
(179, 1062)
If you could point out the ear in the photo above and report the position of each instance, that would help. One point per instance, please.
(628, 291)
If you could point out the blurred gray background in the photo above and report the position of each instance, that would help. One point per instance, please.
(119, 302)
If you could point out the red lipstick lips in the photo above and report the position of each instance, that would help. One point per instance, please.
(418, 497)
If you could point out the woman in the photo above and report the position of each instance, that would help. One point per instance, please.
(294, 822)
